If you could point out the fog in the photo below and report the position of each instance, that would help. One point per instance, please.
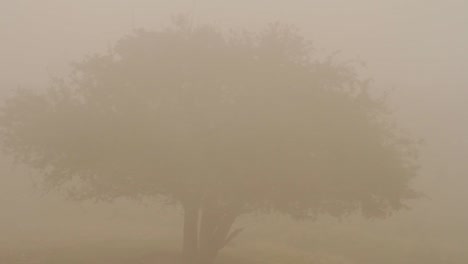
(416, 50)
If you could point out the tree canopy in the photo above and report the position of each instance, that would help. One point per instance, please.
(195, 114)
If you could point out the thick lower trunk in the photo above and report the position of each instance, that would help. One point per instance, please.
(190, 233)
(206, 232)
(208, 247)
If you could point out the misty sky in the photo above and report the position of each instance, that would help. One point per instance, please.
(416, 47)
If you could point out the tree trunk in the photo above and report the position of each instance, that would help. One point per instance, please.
(206, 231)
(208, 249)
(190, 233)
(214, 234)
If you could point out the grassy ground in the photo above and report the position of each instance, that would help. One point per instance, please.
(101, 252)
(97, 252)
(151, 252)
(278, 242)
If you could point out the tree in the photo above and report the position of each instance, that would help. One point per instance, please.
(221, 123)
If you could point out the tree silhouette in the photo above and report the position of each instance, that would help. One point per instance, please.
(222, 123)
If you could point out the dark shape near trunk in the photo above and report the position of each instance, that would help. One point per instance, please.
(207, 229)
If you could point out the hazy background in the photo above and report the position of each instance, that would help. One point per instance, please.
(417, 49)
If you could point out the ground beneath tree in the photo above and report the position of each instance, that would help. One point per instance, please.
(97, 252)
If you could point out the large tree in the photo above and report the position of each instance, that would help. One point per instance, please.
(222, 123)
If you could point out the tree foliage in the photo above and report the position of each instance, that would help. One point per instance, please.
(197, 115)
